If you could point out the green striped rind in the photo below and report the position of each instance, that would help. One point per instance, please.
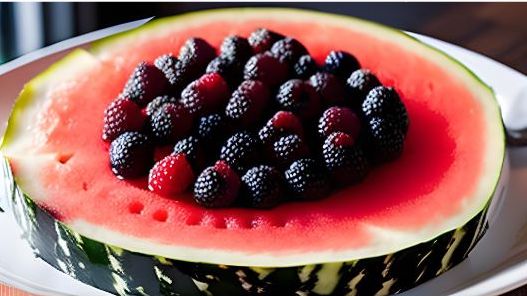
(124, 272)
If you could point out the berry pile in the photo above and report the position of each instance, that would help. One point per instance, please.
(255, 123)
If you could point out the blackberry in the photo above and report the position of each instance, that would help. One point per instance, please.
(231, 70)
(305, 67)
(239, 150)
(156, 103)
(262, 39)
(194, 55)
(384, 102)
(145, 83)
(207, 94)
(359, 84)
(236, 48)
(173, 70)
(299, 97)
(266, 68)
(122, 115)
(306, 179)
(386, 139)
(282, 123)
(130, 155)
(211, 127)
(191, 147)
(330, 88)
(262, 186)
(288, 149)
(345, 161)
(341, 64)
(288, 50)
(171, 122)
(339, 119)
(216, 186)
(248, 102)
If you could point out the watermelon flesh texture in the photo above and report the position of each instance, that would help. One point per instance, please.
(446, 175)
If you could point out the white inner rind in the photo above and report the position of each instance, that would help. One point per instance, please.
(385, 240)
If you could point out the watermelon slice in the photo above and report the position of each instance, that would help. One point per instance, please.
(410, 221)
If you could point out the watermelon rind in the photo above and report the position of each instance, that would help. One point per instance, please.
(113, 266)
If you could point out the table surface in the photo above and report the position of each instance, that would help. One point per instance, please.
(497, 30)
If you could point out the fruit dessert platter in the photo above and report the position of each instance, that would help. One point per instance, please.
(254, 152)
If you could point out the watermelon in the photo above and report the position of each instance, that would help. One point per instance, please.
(409, 221)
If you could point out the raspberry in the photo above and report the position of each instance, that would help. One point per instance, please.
(217, 186)
(174, 71)
(156, 103)
(211, 127)
(306, 179)
(231, 70)
(207, 94)
(299, 97)
(341, 64)
(384, 102)
(267, 69)
(145, 83)
(359, 84)
(329, 87)
(345, 161)
(288, 149)
(288, 50)
(248, 102)
(261, 39)
(172, 175)
(386, 139)
(194, 55)
(305, 67)
(236, 48)
(130, 155)
(122, 115)
(239, 150)
(190, 146)
(339, 119)
(262, 186)
(171, 122)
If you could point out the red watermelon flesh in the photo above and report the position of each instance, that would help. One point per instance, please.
(427, 191)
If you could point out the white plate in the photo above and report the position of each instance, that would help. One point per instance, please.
(497, 264)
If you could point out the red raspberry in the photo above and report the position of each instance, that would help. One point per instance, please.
(287, 121)
(248, 102)
(171, 175)
(122, 115)
(207, 94)
(267, 69)
(339, 119)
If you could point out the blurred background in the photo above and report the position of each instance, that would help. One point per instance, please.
(498, 30)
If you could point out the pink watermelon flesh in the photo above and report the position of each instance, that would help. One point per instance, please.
(440, 167)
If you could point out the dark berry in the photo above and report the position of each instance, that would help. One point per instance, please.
(130, 155)
(195, 55)
(262, 186)
(174, 71)
(211, 127)
(344, 160)
(122, 115)
(231, 70)
(248, 102)
(156, 103)
(207, 94)
(262, 39)
(305, 67)
(306, 179)
(299, 97)
(384, 102)
(239, 150)
(329, 87)
(288, 50)
(191, 147)
(288, 149)
(386, 139)
(339, 119)
(172, 175)
(145, 83)
(236, 48)
(359, 84)
(281, 124)
(341, 64)
(267, 69)
(217, 186)
(171, 122)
